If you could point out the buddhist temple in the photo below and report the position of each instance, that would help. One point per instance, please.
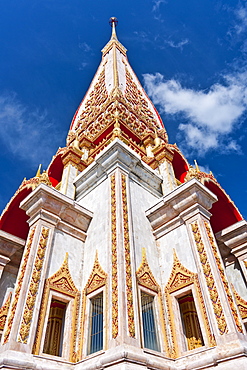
(121, 255)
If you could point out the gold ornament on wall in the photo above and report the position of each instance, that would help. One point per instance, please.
(114, 258)
(223, 277)
(4, 311)
(96, 280)
(128, 274)
(19, 282)
(241, 303)
(181, 277)
(215, 299)
(61, 282)
(146, 279)
(33, 287)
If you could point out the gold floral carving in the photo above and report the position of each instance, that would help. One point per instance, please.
(181, 277)
(96, 280)
(223, 277)
(61, 282)
(33, 287)
(146, 279)
(145, 276)
(128, 275)
(4, 311)
(215, 299)
(241, 303)
(114, 258)
(19, 282)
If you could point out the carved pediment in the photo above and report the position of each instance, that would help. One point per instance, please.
(62, 280)
(241, 303)
(4, 311)
(144, 274)
(180, 276)
(97, 278)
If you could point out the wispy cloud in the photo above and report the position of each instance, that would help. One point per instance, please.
(156, 9)
(26, 133)
(156, 5)
(211, 115)
(241, 15)
(85, 47)
(178, 45)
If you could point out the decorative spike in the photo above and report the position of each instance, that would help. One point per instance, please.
(38, 174)
(196, 165)
(113, 22)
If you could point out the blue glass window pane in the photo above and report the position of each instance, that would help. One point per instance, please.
(148, 322)
(96, 324)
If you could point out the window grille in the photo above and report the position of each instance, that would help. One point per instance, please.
(190, 321)
(54, 330)
(148, 322)
(96, 324)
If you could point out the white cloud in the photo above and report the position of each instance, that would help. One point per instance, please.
(179, 45)
(211, 115)
(28, 134)
(241, 15)
(156, 5)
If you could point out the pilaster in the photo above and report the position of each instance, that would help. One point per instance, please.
(189, 205)
(48, 210)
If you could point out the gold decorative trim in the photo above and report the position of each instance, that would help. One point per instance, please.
(241, 303)
(245, 263)
(4, 311)
(61, 282)
(181, 277)
(96, 280)
(145, 276)
(19, 282)
(33, 287)
(146, 279)
(215, 299)
(128, 275)
(114, 258)
(223, 277)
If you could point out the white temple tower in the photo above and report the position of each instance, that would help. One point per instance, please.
(121, 255)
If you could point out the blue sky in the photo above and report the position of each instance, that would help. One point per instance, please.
(190, 56)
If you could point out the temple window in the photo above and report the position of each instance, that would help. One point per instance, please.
(149, 327)
(53, 343)
(95, 341)
(190, 322)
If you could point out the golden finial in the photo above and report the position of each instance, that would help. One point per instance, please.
(38, 172)
(196, 165)
(113, 22)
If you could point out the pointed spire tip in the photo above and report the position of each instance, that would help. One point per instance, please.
(113, 21)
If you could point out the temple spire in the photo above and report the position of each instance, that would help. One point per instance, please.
(113, 22)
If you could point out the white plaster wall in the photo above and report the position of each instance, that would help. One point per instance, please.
(175, 239)
(63, 243)
(235, 277)
(121, 71)
(98, 235)
(141, 199)
(7, 283)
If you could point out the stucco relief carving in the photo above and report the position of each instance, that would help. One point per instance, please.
(223, 277)
(19, 282)
(128, 274)
(33, 287)
(181, 277)
(61, 282)
(215, 299)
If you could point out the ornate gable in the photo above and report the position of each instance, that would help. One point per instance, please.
(97, 277)
(179, 277)
(144, 274)
(62, 280)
